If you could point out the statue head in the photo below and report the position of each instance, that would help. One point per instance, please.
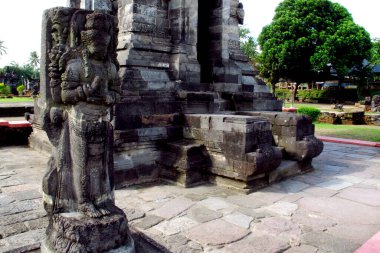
(240, 13)
(97, 34)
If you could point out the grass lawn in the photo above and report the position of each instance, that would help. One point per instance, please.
(357, 132)
(16, 99)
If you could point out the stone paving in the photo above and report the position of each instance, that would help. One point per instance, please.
(335, 208)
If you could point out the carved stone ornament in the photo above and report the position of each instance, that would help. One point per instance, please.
(84, 84)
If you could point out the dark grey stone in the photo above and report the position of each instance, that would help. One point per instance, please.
(149, 221)
(80, 84)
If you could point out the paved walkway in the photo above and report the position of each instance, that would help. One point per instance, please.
(335, 208)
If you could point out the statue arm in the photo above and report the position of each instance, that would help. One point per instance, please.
(113, 87)
(72, 90)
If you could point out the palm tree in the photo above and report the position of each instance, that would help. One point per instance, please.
(3, 49)
(34, 60)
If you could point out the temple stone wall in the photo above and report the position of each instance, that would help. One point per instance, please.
(179, 60)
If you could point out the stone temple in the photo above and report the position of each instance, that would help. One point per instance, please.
(191, 109)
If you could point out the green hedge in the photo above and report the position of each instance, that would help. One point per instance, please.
(4, 89)
(326, 95)
(310, 111)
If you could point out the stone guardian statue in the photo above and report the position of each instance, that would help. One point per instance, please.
(84, 84)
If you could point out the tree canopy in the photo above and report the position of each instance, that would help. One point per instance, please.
(309, 37)
(375, 51)
(34, 60)
(248, 44)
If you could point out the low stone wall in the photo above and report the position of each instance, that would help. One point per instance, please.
(345, 118)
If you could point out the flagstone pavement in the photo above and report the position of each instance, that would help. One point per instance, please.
(335, 208)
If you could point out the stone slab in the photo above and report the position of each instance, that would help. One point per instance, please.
(216, 203)
(335, 184)
(176, 225)
(258, 244)
(239, 219)
(216, 232)
(149, 221)
(329, 242)
(173, 207)
(342, 210)
(365, 196)
(282, 208)
(202, 214)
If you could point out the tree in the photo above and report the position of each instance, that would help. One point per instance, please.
(309, 37)
(3, 49)
(375, 51)
(34, 60)
(248, 45)
(20, 73)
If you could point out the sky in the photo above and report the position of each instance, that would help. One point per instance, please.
(20, 26)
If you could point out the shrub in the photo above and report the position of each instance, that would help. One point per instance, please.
(20, 89)
(4, 89)
(283, 94)
(304, 94)
(309, 111)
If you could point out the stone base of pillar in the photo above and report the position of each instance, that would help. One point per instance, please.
(73, 232)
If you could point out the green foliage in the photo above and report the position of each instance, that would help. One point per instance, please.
(283, 93)
(21, 72)
(34, 60)
(307, 37)
(327, 95)
(309, 111)
(20, 89)
(375, 51)
(313, 94)
(3, 49)
(4, 89)
(248, 44)
(374, 92)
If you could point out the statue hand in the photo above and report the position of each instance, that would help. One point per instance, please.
(110, 98)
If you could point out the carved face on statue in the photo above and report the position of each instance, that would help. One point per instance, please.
(97, 43)
(96, 36)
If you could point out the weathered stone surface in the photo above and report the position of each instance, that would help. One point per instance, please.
(176, 225)
(283, 208)
(149, 221)
(302, 249)
(239, 219)
(215, 203)
(202, 214)
(358, 234)
(79, 86)
(365, 196)
(173, 207)
(258, 244)
(23, 206)
(278, 226)
(312, 221)
(216, 232)
(334, 184)
(133, 214)
(17, 228)
(291, 186)
(21, 217)
(23, 242)
(342, 210)
(329, 242)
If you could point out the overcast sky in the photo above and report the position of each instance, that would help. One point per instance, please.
(20, 26)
